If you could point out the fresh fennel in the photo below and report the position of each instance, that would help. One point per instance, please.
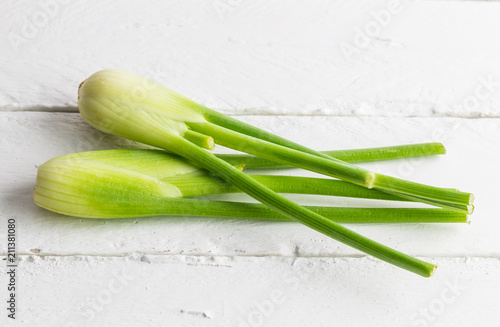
(136, 183)
(130, 106)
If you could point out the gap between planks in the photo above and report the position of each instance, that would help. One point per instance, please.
(242, 112)
(140, 256)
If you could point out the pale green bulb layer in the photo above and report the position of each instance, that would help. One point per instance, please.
(87, 188)
(128, 105)
(129, 183)
(153, 163)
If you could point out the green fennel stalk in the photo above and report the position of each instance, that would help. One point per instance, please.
(191, 180)
(108, 184)
(352, 156)
(333, 167)
(109, 100)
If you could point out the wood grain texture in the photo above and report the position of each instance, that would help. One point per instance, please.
(185, 290)
(405, 58)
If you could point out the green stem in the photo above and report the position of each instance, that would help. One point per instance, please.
(331, 167)
(459, 207)
(241, 142)
(389, 183)
(203, 141)
(297, 212)
(239, 210)
(205, 185)
(353, 155)
(238, 126)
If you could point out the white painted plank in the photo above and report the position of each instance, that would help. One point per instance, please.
(253, 57)
(251, 291)
(30, 138)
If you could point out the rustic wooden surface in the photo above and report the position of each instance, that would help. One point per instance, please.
(429, 73)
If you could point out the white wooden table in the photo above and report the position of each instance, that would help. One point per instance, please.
(327, 74)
